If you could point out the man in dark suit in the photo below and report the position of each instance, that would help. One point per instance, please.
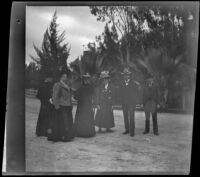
(129, 97)
(150, 102)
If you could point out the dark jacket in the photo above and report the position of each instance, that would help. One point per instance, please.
(104, 116)
(150, 94)
(61, 96)
(109, 93)
(129, 93)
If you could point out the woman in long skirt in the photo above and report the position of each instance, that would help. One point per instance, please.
(62, 121)
(44, 94)
(84, 118)
(104, 116)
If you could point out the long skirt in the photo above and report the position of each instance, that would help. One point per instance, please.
(84, 121)
(61, 128)
(44, 119)
(104, 117)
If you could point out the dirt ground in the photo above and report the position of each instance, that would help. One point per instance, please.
(170, 152)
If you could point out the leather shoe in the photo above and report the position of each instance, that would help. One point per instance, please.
(145, 132)
(109, 130)
(126, 132)
(156, 133)
(100, 131)
(132, 134)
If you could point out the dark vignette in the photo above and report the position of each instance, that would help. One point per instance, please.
(15, 117)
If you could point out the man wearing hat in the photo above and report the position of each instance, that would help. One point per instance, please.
(104, 117)
(150, 101)
(129, 97)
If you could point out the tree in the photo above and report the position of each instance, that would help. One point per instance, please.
(121, 18)
(156, 40)
(53, 55)
(108, 49)
(173, 31)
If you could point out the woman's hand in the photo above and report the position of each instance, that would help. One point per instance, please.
(49, 131)
(57, 107)
(51, 101)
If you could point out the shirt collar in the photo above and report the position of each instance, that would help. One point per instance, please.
(106, 86)
(127, 81)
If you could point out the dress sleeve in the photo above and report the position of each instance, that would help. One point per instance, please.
(113, 94)
(137, 96)
(96, 96)
(144, 95)
(158, 96)
(77, 94)
(55, 95)
(39, 93)
(141, 90)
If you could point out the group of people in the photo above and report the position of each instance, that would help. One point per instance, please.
(56, 121)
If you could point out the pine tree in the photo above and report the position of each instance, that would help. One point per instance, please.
(53, 55)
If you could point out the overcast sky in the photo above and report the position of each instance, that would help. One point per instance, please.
(80, 25)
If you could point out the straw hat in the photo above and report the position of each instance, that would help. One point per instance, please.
(104, 74)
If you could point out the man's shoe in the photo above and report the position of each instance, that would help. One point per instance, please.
(109, 130)
(145, 132)
(156, 133)
(132, 134)
(126, 132)
(99, 131)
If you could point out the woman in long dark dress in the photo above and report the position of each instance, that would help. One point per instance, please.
(62, 121)
(84, 118)
(44, 94)
(104, 116)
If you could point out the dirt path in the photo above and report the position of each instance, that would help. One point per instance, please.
(113, 152)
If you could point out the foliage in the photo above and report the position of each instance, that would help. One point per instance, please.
(53, 55)
(156, 40)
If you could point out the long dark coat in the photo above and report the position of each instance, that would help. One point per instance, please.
(104, 116)
(84, 118)
(46, 109)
